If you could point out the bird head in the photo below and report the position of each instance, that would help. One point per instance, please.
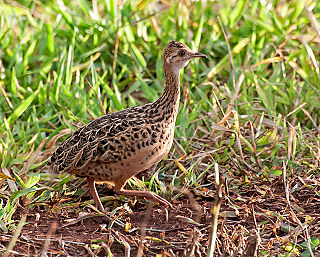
(177, 55)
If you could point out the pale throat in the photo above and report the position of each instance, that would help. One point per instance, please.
(172, 85)
(171, 94)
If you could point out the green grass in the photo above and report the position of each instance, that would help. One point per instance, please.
(50, 52)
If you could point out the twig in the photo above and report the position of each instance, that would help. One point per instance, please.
(192, 245)
(114, 62)
(313, 122)
(31, 159)
(148, 16)
(254, 239)
(91, 114)
(241, 160)
(306, 143)
(143, 230)
(229, 52)
(69, 112)
(101, 105)
(237, 85)
(122, 240)
(75, 221)
(51, 231)
(254, 146)
(253, 244)
(195, 205)
(17, 233)
(312, 19)
(303, 227)
(57, 240)
(216, 209)
(295, 110)
(115, 53)
(6, 97)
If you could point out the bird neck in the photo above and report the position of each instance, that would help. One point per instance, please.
(171, 90)
(168, 102)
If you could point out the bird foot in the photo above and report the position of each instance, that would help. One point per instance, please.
(147, 194)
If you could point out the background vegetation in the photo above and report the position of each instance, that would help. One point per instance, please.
(58, 58)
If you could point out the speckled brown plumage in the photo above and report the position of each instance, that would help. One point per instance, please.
(119, 145)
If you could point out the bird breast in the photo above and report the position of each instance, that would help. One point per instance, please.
(132, 156)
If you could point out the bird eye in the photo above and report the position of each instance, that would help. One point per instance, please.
(181, 53)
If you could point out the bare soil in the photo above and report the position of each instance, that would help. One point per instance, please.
(62, 230)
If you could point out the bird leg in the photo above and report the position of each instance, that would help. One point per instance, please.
(94, 193)
(147, 194)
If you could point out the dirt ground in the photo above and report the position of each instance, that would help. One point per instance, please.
(62, 230)
(167, 232)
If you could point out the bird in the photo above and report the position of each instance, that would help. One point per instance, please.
(117, 146)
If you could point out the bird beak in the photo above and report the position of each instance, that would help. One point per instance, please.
(198, 55)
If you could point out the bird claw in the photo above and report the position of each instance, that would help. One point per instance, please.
(159, 199)
(147, 194)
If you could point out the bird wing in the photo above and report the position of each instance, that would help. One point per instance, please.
(98, 140)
